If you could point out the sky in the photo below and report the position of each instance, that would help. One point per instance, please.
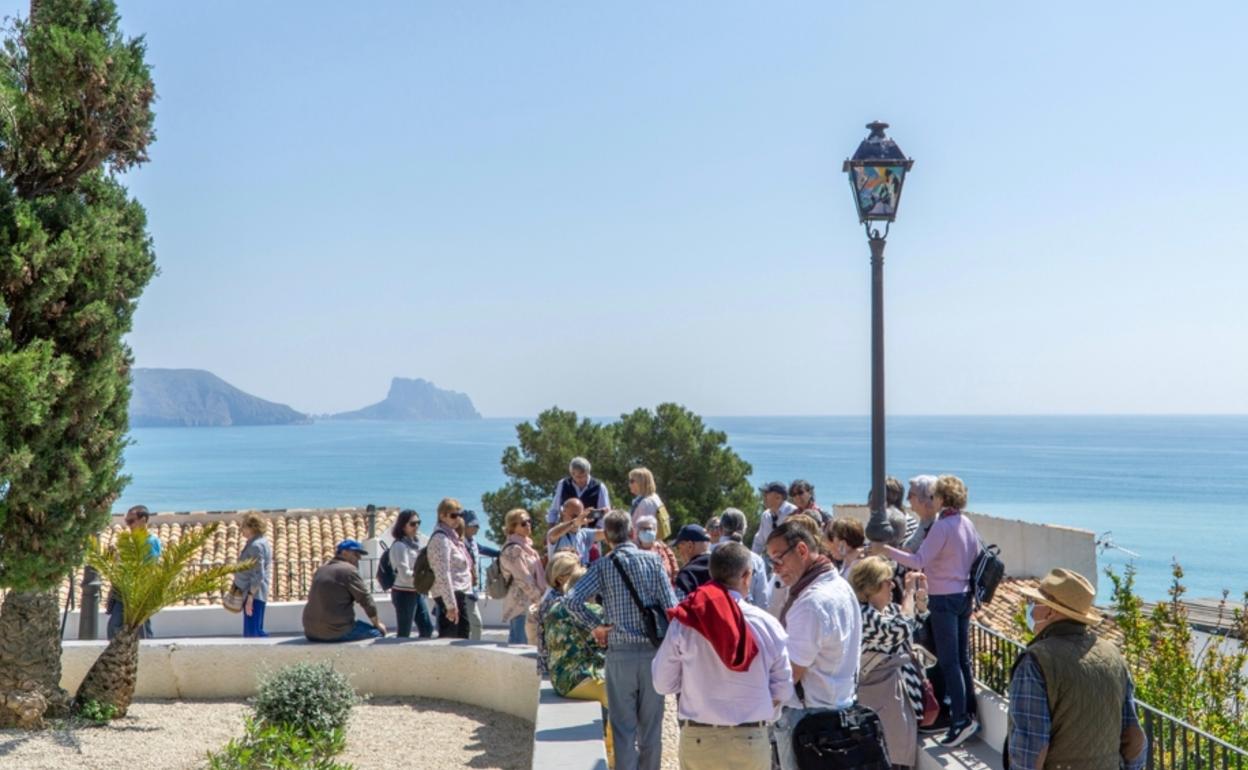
(604, 206)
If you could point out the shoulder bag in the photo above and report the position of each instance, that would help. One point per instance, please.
(653, 617)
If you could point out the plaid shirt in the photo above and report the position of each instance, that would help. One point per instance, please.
(1029, 713)
(622, 614)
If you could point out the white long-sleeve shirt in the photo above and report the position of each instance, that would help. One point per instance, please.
(767, 522)
(711, 693)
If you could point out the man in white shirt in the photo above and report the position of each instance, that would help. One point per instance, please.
(733, 524)
(775, 509)
(824, 625)
(726, 660)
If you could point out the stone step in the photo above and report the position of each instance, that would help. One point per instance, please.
(974, 754)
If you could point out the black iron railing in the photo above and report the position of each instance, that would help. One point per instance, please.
(1172, 743)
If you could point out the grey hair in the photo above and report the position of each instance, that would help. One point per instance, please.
(732, 521)
(578, 464)
(616, 527)
(646, 520)
(729, 562)
(924, 486)
(714, 523)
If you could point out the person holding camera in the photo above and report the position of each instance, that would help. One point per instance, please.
(575, 532)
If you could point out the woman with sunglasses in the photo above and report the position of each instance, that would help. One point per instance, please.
(408, 605)
(452, 571)
(522, 565)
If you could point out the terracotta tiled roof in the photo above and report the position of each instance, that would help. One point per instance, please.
(999, 613)
(302, 540)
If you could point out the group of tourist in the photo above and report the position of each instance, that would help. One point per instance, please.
(811, 618)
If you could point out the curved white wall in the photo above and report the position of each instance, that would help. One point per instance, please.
(478, 673)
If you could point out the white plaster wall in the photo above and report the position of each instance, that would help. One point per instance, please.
(279, 618)
(1028, 550)
(478, 673)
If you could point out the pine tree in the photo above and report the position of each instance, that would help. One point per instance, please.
(75, 108)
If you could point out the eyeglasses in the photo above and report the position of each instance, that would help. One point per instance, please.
(776, 561)
(454, 515)
(413, 523)
(526, 523)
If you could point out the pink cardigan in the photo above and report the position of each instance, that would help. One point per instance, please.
(528, 580)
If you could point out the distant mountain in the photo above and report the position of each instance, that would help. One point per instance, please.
(168, 398)
(416, 400)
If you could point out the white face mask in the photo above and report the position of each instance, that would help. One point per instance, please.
(647, 536)
(1031, 618)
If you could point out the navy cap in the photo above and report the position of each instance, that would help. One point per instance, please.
(350, 545)
(470, 518)
(692, 533)
(776, 487)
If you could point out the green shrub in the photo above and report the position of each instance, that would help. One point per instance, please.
(312, 697)
(281, 747)
(99, 713)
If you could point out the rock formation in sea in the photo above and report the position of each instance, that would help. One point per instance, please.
(416, 400)
(166, 398)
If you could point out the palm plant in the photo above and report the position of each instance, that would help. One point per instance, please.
(146, 585)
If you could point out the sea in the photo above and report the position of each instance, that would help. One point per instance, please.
(1155, 490)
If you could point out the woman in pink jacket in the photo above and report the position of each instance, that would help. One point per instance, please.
(522, 565)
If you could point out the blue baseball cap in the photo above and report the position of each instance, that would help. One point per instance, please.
(350, 545)
(470, 518)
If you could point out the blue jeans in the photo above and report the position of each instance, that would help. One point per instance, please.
(951, 625)
(515, 631)
(360, 630)
(409, 606)
(253, 624)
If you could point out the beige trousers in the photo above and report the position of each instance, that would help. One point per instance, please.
(724, 748)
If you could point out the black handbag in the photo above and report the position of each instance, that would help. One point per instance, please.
(851, 738)
(653, 617)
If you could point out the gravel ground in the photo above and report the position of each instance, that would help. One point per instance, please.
(175, 735)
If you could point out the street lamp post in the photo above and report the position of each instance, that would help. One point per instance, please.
(876, 173)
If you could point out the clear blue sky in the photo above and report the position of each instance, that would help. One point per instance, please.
(605, 207)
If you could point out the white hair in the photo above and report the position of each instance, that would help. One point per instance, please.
(578, 464)
(646, 520)
(924, 486)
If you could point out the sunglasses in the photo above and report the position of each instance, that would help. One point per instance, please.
(526, 523)
(455, 515)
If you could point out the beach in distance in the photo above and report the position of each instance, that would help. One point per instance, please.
(1165, 487)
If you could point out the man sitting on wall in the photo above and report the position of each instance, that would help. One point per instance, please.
(329, 615)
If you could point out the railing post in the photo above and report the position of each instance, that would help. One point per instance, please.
(372, 521)
(88, 617)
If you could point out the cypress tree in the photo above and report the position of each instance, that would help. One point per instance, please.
(75, 110)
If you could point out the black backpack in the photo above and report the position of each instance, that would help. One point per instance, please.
(385, 570)
(845, 739)
(986, 573)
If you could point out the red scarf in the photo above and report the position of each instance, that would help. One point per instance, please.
(818, 567)
(712, 612)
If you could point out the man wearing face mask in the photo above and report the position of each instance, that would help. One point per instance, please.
(1072, 702)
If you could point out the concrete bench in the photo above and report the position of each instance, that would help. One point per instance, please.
(568, 733)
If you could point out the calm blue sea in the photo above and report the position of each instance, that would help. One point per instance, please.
(1165, 487)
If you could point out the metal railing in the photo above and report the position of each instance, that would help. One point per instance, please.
(1172, 743)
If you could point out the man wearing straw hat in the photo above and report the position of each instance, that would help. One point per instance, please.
(1072, 702)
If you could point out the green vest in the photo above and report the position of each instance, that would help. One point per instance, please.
(1086, 681)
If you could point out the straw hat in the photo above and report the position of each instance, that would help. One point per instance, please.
(1066, 592)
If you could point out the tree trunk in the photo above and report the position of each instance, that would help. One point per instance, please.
(112, 676)
(30, 660)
